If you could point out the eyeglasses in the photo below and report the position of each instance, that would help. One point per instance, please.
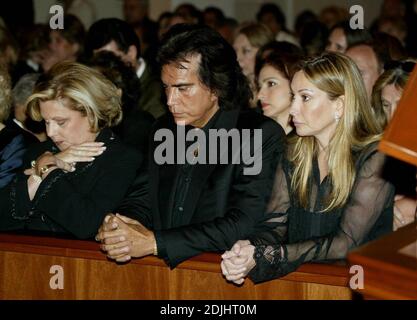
(406, 66)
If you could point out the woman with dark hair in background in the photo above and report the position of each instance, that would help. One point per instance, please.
(342, 36)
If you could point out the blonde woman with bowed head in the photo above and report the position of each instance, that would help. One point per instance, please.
(328, 195)
(70, 182)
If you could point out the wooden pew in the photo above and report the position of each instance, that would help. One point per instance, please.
(390, 265)
(26, 261)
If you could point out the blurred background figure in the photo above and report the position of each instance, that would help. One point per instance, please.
(84, 10)
(333, 15)
(33, 51)
(342, 36)
(20, 93)
(65, 44)
(118, 36)
(302, 19)
(213, 17)
(135, 127)
(190, 13)
(8, 49)
(394, 26)
(249, 39)
(228, 29)
(13, 140)
(370, 59)
(136, 13)
(386, 95)
(272, 16)
(164, 23)
(313, 38)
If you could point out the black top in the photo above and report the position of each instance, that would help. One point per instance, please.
(76, 202)
(302, 235)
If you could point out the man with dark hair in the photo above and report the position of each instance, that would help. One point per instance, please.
(194, 207)
(118, 36)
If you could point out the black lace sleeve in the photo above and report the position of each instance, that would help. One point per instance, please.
(274, 229)
(368, 207)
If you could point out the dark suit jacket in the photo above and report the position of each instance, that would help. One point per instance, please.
(71, 203)
(152, 96)
(222, 204)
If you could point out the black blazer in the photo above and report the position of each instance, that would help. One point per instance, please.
(71, 203)
(222, 204)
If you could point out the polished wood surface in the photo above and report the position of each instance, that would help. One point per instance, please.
(400, 138)
(388, 272)
(25, 263)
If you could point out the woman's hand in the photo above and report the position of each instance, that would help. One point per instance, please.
(85, 152)
(238, 262)
(404, 211)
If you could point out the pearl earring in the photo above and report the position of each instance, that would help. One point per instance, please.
(336, 117)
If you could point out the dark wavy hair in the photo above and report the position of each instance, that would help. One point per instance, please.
(123, 77)
(219, 70)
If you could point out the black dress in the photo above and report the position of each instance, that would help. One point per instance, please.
(73, 203)
(302, 235)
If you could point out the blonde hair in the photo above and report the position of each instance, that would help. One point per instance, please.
(86, 90)
(338, 76)
(396, 76)
(257, 33)
(5, 94)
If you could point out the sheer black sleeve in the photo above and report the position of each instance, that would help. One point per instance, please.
(274, 229)
(370, 198)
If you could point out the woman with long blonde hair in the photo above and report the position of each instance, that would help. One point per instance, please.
(328, 195)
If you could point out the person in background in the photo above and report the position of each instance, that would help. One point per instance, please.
(370, 59)
(273, 76)
(65, 44)
(329, 196)
(135, 127)
(34, 49)
(20, 93)
(333, 15)
(118, 36)
(313, 38)
(68, 183)
(247, 43)
(13, 140)
(272, 16)
(342, 36)
(386, 95)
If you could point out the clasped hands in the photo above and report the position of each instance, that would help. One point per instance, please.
(123, 238)
(238, 261)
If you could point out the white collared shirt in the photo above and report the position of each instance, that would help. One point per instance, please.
(142, 67)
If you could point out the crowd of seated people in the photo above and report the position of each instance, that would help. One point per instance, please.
(81, 111)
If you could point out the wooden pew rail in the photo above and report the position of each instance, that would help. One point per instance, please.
(26, 261)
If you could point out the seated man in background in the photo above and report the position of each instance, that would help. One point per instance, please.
(119, 37)
(185, 208)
